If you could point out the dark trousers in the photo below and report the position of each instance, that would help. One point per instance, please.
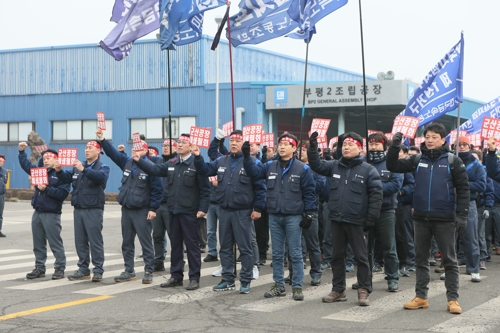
(47, 227)
(262, 234)
(160, 226)
(404, 236)
(135, 222)
(310, 237)
(88, 239)
(444, 234)
(384, 234)
(184, 229)
(342, 234)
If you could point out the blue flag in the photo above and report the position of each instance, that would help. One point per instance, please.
(140, 19)
(475, 122)
(441, 90)
(119, 10)
(308, 12)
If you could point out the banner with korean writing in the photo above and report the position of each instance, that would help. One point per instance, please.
(253, 133)
(227, 128)
(441, 90)
(474, 123)
(320, 125)
(406, 125)
(453, 135)
(41, 148)
(39, 176)
(418, 141)
(490, 128)
(322, 142)
(200, 136)
(136, 141)
(268, 140)
(333, 140)
(101, 121)
(475, 140)
(67, 156)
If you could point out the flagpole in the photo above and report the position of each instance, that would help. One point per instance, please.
(364, 75)
(231, 67)
(458, 129)
(169, 103)
(304, 97)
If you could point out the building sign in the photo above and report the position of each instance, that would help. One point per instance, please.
(339, 94)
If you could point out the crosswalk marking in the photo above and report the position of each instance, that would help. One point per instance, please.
(26, 256)
(390, 303)
(482, 318)
(310, 294)
(11, 251)
(31, 264)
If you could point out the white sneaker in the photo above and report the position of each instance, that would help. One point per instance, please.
(218, 271)
(475, 277)
(442, 277)
(255, 272)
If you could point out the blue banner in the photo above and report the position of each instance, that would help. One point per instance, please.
(308, 12)
(441, 90)
(475, 122)
(120, 8)
(139, 20)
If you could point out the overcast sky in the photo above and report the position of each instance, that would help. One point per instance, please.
(407, 37)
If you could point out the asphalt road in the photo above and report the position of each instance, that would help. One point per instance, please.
(44, 305)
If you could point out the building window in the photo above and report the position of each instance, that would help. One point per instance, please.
(15, 132)
(79, 130)
(158, 128)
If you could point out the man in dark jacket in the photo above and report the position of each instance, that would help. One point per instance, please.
(354, 203)
(441, 205)
(384, 231)
(3, 181)
(46, 220)
(188, 198)
(241, 200)
(291, 204)
(88, 181)
(140, 197)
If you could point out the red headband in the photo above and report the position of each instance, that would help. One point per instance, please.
(167, 143)
(94, 144)
(49, 154)
(152, 152)
(184, 138)
(289, 139)
(236, 136)
(353, 141)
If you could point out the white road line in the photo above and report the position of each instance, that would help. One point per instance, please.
(49, 256)
(482, 318)
(23, 257)
(310, 294)
(12, 251)
(207, 292)
(390, 303)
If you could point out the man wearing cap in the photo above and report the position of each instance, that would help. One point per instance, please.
(291, 204)
(188, 198)
(140, 197)
(3, 190)
(241, 200)
(88, 181)
(354, 203)
(46, 220)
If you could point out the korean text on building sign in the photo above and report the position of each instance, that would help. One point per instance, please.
(200, 136)
(406, 125)
(39, 176)
(253, 133)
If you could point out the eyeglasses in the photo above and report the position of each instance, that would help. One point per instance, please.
(463, 144)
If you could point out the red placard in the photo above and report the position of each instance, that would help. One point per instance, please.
(227, 128)
(332, 141)
(101, 122)
(453, 135)
(418, 141)
(137, 143)
(490, 128)
(39, 176)
(200, 136)
(370, 132)
(406, 125)
(364, 145)
(212, 178)
(41, 148)
(320, 125)
(388, 136)
(253, 133)
(475, 140)
(67, 156)
(322, 142)
(268, 140)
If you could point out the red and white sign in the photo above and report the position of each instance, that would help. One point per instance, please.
(332, 141)
(406, 125)
(364, 145)
(370, 132)
(137, 143)
(200, 136)
(453, 135)
(227, 128)
(388, 136)
(268, 140)
(322, 142)
(41, 148)
(320, 125)
(212, 179)
(39, 176)
(67, 156)
(253, 133)
(490, 128)
(418, 141)
(475, 140)
(101, 122)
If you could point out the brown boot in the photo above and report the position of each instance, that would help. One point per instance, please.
(454, 307)
(417, 303)
(363, 297)
(335, 296)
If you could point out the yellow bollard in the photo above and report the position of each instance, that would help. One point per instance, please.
(7, 185)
